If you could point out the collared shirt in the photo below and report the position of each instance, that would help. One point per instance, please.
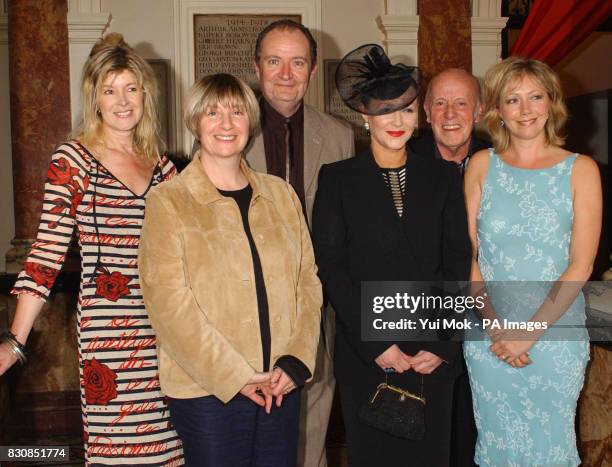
(464, 162)
(284, 145)
(425, 145)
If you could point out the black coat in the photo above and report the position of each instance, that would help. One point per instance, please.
(464, 427)
(358, 236)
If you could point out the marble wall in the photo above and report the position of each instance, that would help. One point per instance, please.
(40, 100)
(444, 36)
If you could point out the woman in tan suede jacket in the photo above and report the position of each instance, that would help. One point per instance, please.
(230, 284)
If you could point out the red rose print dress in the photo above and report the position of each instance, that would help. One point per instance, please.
(125, 417)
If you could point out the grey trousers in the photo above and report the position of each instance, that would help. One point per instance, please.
(317, 397)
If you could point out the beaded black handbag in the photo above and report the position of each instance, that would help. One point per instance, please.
(396, 411)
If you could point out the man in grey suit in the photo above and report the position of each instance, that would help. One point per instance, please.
(295, 140)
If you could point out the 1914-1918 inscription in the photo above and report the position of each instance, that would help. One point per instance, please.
(226, 43)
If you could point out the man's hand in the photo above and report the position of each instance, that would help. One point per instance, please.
(394, 358)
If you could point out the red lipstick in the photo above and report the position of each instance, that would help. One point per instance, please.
(395, 134)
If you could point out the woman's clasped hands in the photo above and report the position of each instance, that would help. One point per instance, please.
(512, 347)
(423, 362)
(263, 387)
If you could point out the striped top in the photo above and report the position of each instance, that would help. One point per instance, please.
(125, 417)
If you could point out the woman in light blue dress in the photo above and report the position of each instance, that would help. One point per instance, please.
(534, 213)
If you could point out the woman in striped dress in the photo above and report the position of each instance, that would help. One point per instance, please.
(98, 182)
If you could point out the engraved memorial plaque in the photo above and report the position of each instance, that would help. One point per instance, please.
(226, 43)
(336, 107)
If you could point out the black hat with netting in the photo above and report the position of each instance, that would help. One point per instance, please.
(369, 84)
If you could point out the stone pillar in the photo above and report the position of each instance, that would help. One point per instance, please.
(400, 25)
(487, 24)
(444, 36)
(6, 193)
(7, 228)
(40, 107)
(444, 39)
(44, 393)
(435, 34)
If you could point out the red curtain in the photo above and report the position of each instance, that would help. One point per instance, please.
(554, 27)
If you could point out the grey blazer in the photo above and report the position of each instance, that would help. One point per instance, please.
(326, 139)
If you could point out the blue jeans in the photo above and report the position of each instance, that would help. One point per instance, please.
(237, 434)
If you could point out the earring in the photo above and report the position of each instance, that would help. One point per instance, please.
(501, 123)
(366, 125)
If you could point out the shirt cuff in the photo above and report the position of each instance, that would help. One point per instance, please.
(294, 368)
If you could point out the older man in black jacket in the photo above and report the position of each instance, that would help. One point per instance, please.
(453, 106)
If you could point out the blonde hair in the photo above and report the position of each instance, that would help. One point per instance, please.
(112, 55)
(221, 88)
(497, 82)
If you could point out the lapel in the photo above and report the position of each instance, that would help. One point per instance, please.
(381, 199)
(313, 147)
(196, 180)
(417, 188)
(413, 193)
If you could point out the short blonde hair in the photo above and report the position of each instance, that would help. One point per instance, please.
(498, 80)
(221, 88)
(112, 55)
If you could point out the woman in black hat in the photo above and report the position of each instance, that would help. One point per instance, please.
(387, 215)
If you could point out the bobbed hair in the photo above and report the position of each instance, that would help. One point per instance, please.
(498, 82)
(221, 88)
(112, 55)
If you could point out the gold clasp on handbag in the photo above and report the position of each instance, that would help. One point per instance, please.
(402, 393)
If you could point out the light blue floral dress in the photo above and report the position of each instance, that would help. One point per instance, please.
(525, 417)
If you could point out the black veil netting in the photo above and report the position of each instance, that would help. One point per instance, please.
(369, 84)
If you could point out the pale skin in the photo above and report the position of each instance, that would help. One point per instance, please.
(452, 107)
(223, 134)
(121, 104)
(389, 134)
(285, 69)
(120, 99)
(524, 108)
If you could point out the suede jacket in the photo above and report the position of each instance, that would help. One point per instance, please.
(198, 282)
